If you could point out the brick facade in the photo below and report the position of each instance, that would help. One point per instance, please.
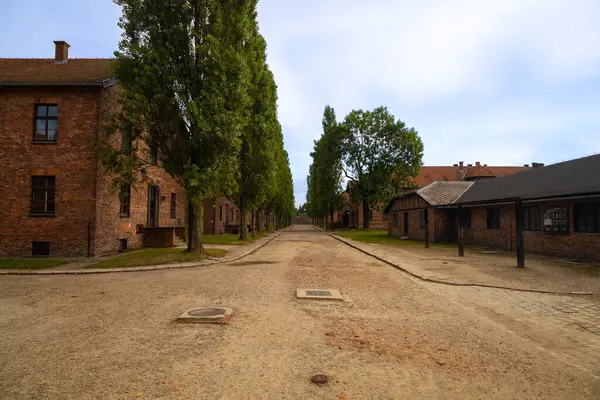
(221, 217)
(87, 214)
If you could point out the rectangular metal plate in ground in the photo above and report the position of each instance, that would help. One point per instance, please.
(206, 315)
(323, 294)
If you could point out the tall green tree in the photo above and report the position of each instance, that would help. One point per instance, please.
(379, 154)
(256, 161)
(326, 170)
(184, 77)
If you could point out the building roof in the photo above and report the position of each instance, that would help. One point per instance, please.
(574, 177)
(429, 174)
(436, 193)
(442, 192)
(23, 71)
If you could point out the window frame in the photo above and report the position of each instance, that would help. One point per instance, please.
(422, 220)
(45, 118)
(125, 193)
(527, 219)
(594, 217)
(496, 219)
(220, 213)
(173, 206)
(46, 189)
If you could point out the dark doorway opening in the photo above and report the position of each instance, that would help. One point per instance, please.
(346, 219)
(153, 206)
(405, 224)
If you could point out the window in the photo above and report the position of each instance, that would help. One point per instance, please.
(43, 190)
(40, 248)
(493, 218)
(395, 220)
(122, 244)
(587, 218)
(422, 221)
(556, 220)
(220, 213)
(125, 201)
(532, 220)
(466, 218)
(46, 119)
(173, 213)
(237, 214)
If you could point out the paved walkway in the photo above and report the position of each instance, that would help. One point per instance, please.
(441, 263)
(393, 337)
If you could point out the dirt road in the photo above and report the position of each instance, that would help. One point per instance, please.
(112, 336)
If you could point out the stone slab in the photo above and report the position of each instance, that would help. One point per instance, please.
(320, 294)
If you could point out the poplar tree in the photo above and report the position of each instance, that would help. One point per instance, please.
(184, 77)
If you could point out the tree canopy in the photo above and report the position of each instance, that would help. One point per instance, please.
(377, 156)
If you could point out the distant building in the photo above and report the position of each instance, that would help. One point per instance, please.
(560, 210)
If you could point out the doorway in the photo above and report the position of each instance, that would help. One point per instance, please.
(405, 224)
(153, 206)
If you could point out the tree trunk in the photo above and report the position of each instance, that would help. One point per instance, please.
(243, 227)
(257, 229)
(366, 213)
(267, 220)
(194, 227)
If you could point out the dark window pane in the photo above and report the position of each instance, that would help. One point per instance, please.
(53, 111)
(41, 111)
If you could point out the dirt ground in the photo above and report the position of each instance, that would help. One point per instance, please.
(113, 336)
(492, 268)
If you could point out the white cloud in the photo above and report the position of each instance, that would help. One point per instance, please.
(420, 57)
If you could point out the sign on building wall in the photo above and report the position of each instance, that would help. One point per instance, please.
(556, 220)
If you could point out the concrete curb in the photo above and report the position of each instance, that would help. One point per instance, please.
(160, 267)
(424, 278)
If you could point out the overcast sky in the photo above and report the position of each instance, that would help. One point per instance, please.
(502, 82)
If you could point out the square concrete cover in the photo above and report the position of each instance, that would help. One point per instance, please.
(322, 294)
(205, 315)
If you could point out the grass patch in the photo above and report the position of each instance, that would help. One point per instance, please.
(230, 239)
(30, 263)
(380, 236)
(156, 257)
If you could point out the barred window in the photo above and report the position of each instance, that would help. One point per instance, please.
(43, 192)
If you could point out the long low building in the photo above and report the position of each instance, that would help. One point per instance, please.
(552, 210)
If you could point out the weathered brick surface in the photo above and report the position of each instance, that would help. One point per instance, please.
(72, 160)
(159, 237)
(85, 196)
(220, 215)
(415, 231)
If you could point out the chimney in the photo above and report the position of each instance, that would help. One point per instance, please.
(460, 163)
(61, 51)
(537, 165)
(455, 165)
(477, 164)
(526, 165)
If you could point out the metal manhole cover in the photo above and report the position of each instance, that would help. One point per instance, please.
(323, 294)
(318, 293)
(214, 315)
(206, 312)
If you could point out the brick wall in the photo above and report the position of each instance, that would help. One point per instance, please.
(377, 220)
(415, 231)
(159, 237)
(583, 246)
(72, 160)
(217, 216)
(110, 226)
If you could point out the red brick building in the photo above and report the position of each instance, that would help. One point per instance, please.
(57, 200)
(427, 174)
(556, 209)
(222, 216)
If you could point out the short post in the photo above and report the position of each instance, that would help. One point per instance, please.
(426, 216)
(519, 216)
(461, 247)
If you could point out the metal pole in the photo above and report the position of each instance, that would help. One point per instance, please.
(426, 216)
(461, 247)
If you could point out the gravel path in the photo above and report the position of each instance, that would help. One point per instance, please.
(112, 336)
